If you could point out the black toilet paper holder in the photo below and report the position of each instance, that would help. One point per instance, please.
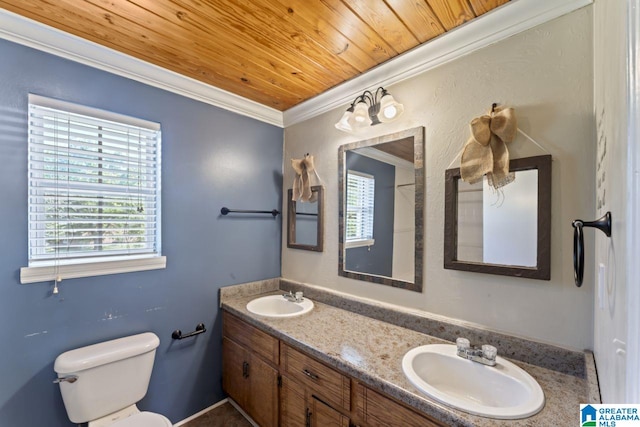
(603, 224)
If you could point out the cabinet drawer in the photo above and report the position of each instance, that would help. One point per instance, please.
(328, 384)
(376, 410)
(259, 342)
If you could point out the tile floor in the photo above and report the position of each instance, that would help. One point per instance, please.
(224, 415)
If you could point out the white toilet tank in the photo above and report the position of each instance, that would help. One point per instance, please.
(111, 375)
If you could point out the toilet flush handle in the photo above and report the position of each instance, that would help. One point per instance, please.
(68, 379)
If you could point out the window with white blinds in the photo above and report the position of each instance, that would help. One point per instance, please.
(94, 184)
(360, 203)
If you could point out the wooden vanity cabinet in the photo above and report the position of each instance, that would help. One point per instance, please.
(376, 410)
(278, 385)
(249, 371)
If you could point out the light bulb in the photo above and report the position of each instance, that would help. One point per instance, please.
(390, 108)
(390, 112)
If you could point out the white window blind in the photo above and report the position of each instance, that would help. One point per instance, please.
(94, 184)
(360, 197)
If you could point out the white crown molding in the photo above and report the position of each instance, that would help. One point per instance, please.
(505, 21)
(27, 32)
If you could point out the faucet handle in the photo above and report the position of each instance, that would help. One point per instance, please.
(299, 296)
(489, 352)
(288, 296)
(463, 344)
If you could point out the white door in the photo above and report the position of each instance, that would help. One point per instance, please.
(617, 260)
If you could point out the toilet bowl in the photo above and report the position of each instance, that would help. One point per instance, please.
(101, 383)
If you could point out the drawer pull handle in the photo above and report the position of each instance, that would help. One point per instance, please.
(310, 375)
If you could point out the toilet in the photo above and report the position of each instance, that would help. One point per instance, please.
(101, 383)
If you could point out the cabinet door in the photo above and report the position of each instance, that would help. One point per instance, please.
(377, 410)
(263, 400)
(320, 414)
(235, 360)
(293, 404)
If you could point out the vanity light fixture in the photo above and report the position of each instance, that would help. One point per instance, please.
(370, 109)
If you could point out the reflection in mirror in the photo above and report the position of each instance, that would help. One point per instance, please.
(381, 209)
(305, 222)
(501, 232)
(499, 227)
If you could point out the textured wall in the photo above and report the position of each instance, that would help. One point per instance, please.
(211, 158)
(546, 74)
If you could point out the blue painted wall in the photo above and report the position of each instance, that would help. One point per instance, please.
(376, 259)
(211, 158)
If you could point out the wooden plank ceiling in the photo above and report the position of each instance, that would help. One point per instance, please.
(275, 52)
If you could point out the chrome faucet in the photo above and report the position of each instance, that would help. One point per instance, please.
(485, 355)
(297, 297)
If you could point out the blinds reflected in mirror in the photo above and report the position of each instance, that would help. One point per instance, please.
(360, 208)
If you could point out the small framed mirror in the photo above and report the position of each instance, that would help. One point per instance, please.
(505, 231)
(305, 221)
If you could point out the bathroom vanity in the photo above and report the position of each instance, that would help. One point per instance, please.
(269, 378)
(335, 367)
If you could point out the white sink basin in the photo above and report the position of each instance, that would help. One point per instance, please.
(278, 306)
(503, 391)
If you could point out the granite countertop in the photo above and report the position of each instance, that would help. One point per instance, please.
(371, 351)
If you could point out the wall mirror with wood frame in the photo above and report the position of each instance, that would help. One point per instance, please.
(505, 231)
(305, 221)
(381, 211)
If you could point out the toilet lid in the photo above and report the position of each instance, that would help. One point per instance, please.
(143, 419)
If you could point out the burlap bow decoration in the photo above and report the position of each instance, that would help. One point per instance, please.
(486, 151)
(302, 184)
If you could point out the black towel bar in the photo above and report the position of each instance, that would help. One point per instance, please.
(225, 211)
(200, 329)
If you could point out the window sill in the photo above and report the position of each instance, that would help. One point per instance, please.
(359, 243)
(95, 267)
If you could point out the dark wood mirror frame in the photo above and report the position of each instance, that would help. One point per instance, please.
(291, 222)
(417, 136)
(542, 270)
